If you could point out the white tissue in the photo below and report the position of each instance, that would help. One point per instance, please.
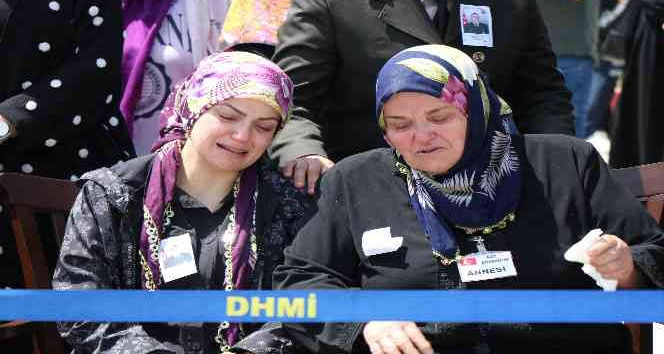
(577, 253)
(379, 241)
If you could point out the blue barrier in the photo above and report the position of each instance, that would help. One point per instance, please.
(333, 306)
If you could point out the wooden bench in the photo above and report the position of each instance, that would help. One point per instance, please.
(646, 183)
(25, 196)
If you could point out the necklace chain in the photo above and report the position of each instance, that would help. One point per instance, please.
(153, 243)
(228, 238)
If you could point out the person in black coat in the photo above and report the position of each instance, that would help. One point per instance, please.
(333, 49)
(59, 94)
(60, 87)
(459, 186)
(636, 135)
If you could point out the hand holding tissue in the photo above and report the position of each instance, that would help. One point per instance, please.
(579, 253)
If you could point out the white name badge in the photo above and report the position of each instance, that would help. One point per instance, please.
(476, 25)
(176, 257)
(486, 266)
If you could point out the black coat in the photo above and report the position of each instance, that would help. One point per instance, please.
(333, 50)
(567, 191)
(637, 135)
(65, 57)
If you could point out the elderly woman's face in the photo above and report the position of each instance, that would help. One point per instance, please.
(428, 132)
(233, 134)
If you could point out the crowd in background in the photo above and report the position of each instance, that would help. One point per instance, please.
(609, 52)
(87, 79)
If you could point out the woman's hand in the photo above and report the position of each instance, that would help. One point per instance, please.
(612, 258)
(395, 337)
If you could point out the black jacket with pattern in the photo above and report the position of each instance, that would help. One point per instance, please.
(100, 246)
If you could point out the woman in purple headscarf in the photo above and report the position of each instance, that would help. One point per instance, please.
(204, 211)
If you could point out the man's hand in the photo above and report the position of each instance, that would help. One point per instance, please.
(612, 258)
(385, 337)
(306, 169)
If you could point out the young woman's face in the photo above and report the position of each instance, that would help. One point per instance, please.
(233, 134)
(428, 132)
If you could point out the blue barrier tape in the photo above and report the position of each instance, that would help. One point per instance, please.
(333, 306)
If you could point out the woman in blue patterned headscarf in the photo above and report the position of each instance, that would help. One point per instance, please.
(478, 187)
(462, 201)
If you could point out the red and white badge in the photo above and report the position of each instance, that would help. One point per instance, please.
(486, 266)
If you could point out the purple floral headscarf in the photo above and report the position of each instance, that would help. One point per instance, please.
(218, 77)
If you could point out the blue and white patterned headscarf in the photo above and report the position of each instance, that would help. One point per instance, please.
(482, 190)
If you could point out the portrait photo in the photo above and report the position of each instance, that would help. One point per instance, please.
(476, 25)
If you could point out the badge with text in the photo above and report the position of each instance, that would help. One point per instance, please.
(486, 266)
(176, 257)
(476, 25)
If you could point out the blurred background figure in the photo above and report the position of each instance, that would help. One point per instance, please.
(604, 78)
(58, 96)
(573, 29)
(164, 41)
(254, 22)
(60, 87)
(636, 137)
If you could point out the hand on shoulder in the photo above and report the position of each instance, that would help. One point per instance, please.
(306, 170)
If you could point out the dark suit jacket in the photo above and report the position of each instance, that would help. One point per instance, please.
(481, 28)
(333, 50)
